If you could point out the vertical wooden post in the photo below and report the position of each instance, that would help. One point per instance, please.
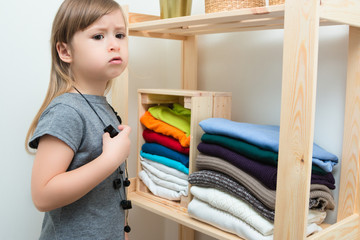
(186, 233)
(349, 180)
(297, 118)
(189, 81)
(120, 95)
(189, 63)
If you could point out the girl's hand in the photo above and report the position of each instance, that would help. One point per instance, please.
(117, 149)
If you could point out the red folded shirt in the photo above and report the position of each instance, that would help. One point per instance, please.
(169, 142)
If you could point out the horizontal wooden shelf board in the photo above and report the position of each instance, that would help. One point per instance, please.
(247, 19)
(181, 92)
(179, 217)
(183, 218)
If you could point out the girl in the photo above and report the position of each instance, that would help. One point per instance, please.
(75, 166)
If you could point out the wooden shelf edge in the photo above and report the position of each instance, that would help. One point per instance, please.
(183, 218)
(246, 19)
(179, 217)
(346, 229)
(341, 11)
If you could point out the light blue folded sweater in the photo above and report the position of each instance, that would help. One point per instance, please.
(263, 136)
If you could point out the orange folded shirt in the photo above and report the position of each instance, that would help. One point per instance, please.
(161, 127)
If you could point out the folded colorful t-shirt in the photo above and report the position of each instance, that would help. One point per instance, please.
(167, 141)
(266, 174)
(250, 151)
(166, 161)
(178, 117)
(157, 149)
(263, 136)
(161, 127)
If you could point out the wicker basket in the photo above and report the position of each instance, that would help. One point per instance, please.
(276, 2)
(228, 5)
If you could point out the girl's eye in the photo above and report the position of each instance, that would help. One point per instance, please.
(120, 35)
(98, 37)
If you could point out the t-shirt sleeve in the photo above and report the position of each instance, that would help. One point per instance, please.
(62, 122)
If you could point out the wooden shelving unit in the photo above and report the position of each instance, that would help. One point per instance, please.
(300, 20)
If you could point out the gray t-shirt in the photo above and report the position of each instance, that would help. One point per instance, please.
(97, 215)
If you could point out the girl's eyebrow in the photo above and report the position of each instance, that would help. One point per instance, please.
(100, 28)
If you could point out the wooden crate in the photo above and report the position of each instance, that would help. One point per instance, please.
(203, 105)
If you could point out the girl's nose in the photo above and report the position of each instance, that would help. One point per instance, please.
(114, 46)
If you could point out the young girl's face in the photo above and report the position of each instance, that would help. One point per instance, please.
(100, 52)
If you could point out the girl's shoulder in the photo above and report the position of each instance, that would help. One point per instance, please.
(64, 119)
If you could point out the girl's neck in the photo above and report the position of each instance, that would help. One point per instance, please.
(90, 90)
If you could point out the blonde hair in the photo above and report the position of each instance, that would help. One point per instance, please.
(72, 16)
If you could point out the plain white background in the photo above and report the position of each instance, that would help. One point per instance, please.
(247, 64)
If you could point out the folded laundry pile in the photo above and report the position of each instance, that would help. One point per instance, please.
(235, 185)
(165, 153)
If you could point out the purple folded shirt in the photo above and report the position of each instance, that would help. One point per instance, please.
(266, 174)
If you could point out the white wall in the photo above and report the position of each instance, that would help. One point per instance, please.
(248, 64)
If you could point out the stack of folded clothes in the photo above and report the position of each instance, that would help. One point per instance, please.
(237, 175)
(165, 153)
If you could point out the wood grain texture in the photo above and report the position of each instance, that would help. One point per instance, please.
(180, 217)
(297, 118)
(189, 63)
(139, 17)
(346, 229)
(342, 11)
(349, 178)
(186, 233)
(119, 95)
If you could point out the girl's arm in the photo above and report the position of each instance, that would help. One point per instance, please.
(53, 187)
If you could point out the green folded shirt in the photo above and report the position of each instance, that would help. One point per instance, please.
(178, 116)
(249, 150)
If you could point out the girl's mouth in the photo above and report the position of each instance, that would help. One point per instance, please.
(116, 60)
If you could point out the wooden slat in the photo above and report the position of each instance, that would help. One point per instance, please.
(157, 35)
(222, 106)
(349, 178)
(159, 99)
(186, 233)
(347, 229)
(297, 118)
(176, 92)
(139, 17)
(207, 28)
(189, 63)
(342, 11)
(212, 18)
(201, 109)
(248, 19)
(119, 95)
(140, 140)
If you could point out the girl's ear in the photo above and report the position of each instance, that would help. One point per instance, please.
(64, 52)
